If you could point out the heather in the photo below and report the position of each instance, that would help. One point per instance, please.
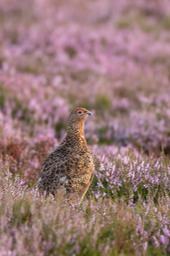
(112, 57)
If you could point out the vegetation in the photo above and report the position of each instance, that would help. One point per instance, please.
(55, 55)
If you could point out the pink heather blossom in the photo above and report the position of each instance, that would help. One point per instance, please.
(164, 240)
(166, 231)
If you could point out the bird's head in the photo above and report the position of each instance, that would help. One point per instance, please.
(76, 119)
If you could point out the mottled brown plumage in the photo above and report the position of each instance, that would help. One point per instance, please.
(70, 167)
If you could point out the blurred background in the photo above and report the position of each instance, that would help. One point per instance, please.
(112, 57)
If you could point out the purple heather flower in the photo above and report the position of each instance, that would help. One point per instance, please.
(145, 245)
(164, 240)
(155, 241)
(166, 231)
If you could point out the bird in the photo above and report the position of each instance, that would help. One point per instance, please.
(70, 167)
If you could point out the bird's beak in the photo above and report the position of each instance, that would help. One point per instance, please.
(88, 113)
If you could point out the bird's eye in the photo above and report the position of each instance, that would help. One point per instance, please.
(79, 112)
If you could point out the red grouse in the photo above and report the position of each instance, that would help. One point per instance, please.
(69, 168)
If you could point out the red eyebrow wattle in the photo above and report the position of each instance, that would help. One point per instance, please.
(79, 110)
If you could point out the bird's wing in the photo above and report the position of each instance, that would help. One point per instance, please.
(53, 172)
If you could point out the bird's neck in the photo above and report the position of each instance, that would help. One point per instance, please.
(77, 137)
